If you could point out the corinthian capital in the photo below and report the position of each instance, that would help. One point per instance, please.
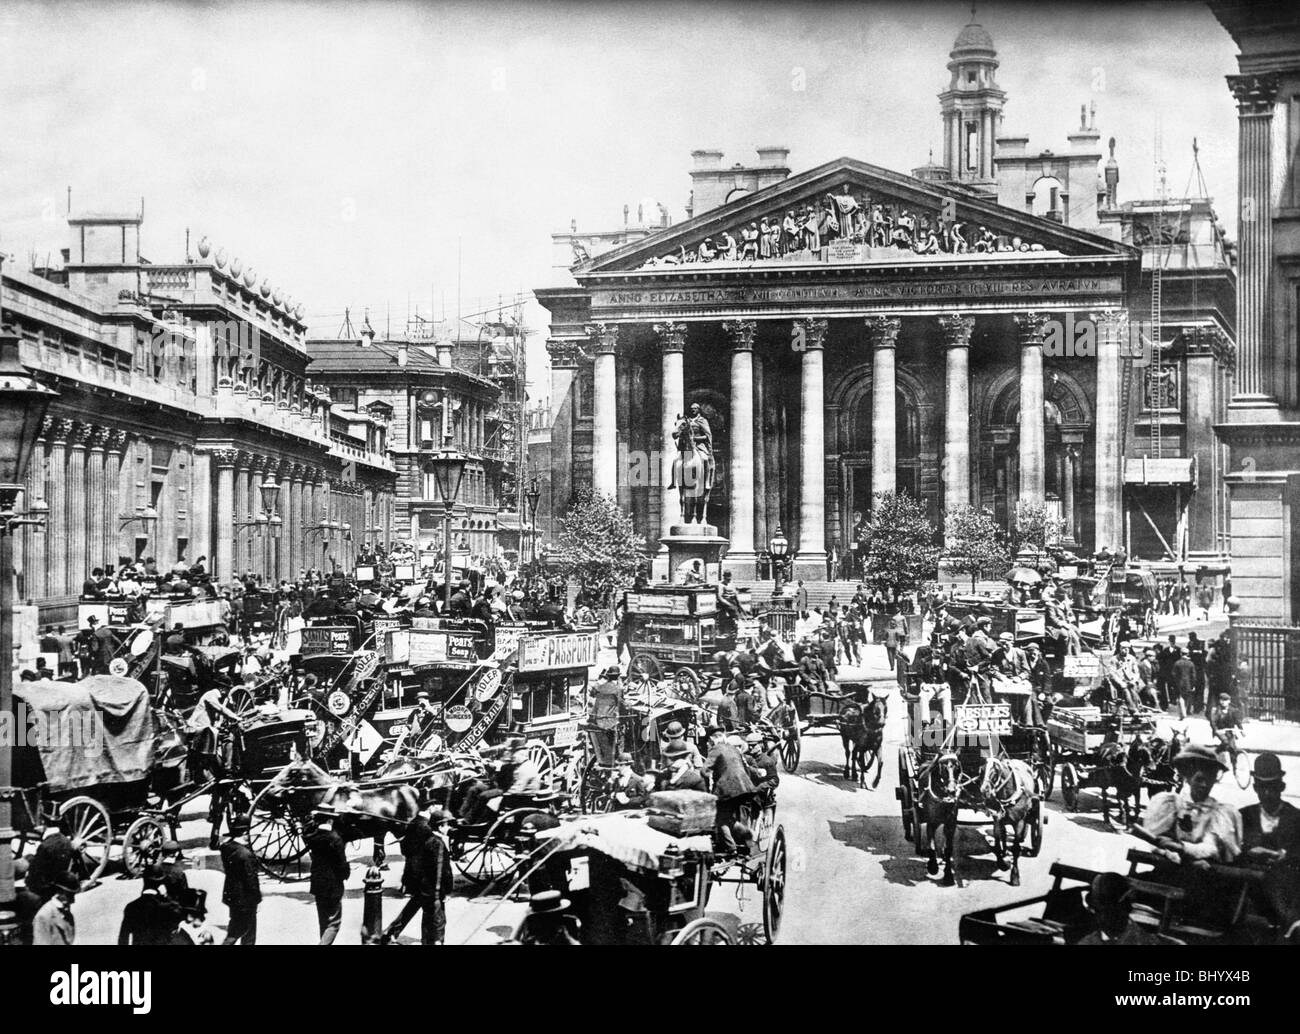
(741, 333)
(884, 330)
(956, 330)
(604, 337)
(1255, 94)
(1030, 326)
(672, 336)
(813, 332)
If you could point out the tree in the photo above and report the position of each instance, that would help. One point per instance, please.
(976, 545)
(1036, 528)
(899, 540)
(597, 545)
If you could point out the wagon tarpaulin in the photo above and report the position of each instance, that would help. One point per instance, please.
(123, 751)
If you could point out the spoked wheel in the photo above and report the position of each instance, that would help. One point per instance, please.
(1241, 769)
(242, 701)
(644, 666)
(905, 805)
(1036, 829)
(593, 798)
(703, 931)
(541, 755)
(918, 828)
(686, 684)
(91, 831)
(277, 833)
(487, 860)
(142, 843)
(792, 747)
(1045, 767)
(1070, 787)
(774, 870)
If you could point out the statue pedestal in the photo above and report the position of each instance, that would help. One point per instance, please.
(684, 547)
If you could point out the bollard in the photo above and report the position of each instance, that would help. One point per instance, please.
(372, 915)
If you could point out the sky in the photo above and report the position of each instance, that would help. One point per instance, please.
(403, 156)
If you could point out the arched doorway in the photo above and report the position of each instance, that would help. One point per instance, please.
(1067, 428)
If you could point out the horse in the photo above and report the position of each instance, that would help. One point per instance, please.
(360, 812)
(941, 786)
(1119, 769)
(1007, 789)
(692, 474)
(862, 732)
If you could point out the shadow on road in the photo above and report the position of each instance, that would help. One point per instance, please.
(882, 835)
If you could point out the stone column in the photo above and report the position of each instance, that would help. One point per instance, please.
(1109, 464)
(243, 512)
(1255, 96)
(57, 522)
(34, 561)
(761, 532)
(223, 563)
(884, 455)
(604, 424)
(293, 526)
(957, 423)
(672, 343)
(741, 532)
(117, 444)
(199, 518)
(76, 544)
(812, 461)
(97, 521)
(1032, 441)
(1067, 496)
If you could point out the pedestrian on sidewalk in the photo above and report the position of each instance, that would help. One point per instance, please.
(329, 872)
(1183, 677)
(430, 882)
(242, 893)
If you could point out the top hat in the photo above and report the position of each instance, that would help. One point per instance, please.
(1268, 768)
(66, 882)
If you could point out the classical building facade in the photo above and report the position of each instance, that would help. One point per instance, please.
(458, 390)
(851, 330)
(1262, 426)
(183, 392)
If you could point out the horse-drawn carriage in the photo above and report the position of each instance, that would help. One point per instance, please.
(962, 773)
(622, 881)
(674, 631)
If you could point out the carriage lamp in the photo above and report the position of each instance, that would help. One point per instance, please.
(23, 404)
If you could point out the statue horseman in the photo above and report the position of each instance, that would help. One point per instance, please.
(694, 467)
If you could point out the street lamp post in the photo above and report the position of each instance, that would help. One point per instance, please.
(23, 402)
(447, 467)
(779, 547)
(533, 497)
(266, 518)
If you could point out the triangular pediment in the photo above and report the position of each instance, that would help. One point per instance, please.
(849, 211)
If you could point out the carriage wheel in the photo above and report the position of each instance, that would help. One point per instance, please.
(918, 827)
(792, 747)
(277, 834)
(646, 667)
(1070, 787)
(702, 931)
(905, 797)
(91, 832)
(1241, 769)
(242, 701)
(486, 861)
(142, 843)
(1045, 769)
(1036, 829)
(774, 886)
(542, 756)
(592, 799)
(686, 685)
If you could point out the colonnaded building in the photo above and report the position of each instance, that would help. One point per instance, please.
(850, 330)
(185, 406)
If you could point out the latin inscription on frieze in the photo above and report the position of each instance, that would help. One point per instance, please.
(1035, 287)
